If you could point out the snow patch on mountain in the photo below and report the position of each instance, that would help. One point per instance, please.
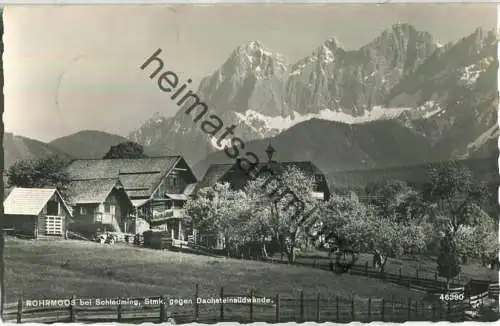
(470, 74)
(430, 109)
(491, 133)
(263, 124)
(224, 143)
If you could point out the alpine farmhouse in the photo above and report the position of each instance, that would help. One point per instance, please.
(156, 188)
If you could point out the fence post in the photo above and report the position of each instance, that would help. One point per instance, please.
(119, 313)
(163, 310)
(19, 310)
(278, 308)
(353, 315)
(448, 311)
(369, 309)
(2, 272)
(337, 309)
(464, 316)
(392, 307)
(409, 309)
(400, 274)
(433, 312)
(317, 308)
(251, 306)
(196, 306)
(301, 306)
(72, 310)
(382, 312)
(221, 303)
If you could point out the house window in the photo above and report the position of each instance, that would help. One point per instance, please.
(318, 180)
(83, 211)
(52, 208)
(106, 208)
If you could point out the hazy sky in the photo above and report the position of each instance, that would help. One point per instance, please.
(71, 68)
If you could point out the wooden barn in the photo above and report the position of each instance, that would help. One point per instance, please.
(157, 186)
(36, 212)
(100, 204)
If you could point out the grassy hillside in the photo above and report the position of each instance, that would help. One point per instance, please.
(483, 169)
(21, 148)
(335, 146)
(87, 143)
(38, 269)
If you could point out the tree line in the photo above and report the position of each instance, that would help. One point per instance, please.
(444, 219)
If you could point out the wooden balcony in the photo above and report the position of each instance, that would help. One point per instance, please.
(51, 225)
(168, 214)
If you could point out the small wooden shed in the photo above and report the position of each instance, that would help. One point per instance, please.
(36, 212)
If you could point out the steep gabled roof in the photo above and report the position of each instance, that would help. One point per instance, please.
(30, 201)
(214, 173)
(139, 176)
(92, 190)
(238, 178)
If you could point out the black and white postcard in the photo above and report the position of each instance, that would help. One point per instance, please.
(250, 163)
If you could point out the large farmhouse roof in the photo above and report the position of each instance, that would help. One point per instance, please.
(238, 177)
(214, 173)
(139, 176)
(91, 190)
(29, 201)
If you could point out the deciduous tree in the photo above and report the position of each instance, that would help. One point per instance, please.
(385, 237)
(128, 149)
(217, 210)
(456, 199)
(448, 259)
(453, 195)
(40, 173)
(397, 199)
(336, 214)
(284, 206)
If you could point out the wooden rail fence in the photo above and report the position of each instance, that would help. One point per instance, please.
(277, 308)
(422, 280)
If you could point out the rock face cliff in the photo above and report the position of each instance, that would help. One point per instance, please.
(444, 96)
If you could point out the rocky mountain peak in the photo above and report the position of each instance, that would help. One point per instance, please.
(326, 52)
(254, 59)
(403, 37)
(401, 71)
(482, 38)
(157, 117)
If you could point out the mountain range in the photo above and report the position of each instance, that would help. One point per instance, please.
(399, 100)
(444, 95)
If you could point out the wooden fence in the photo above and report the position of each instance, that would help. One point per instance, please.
(276, 309)
(424, 281)
(477, 300)
(418, 282)
(419, 279)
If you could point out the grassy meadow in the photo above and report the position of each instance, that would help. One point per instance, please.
(426, 266)
(49, 269)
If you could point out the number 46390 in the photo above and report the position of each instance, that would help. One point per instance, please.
(452, 297)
